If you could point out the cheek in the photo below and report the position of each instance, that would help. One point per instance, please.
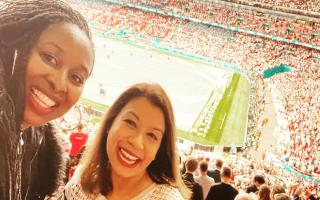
(108, 148)
(152, 152)
(34, 67)
(110, 143)
(73, 96)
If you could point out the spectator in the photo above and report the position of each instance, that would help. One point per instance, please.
(133, 154)
(203, 179)
(223, 190)
(277, 189)
(281, 196)
(46, 56)
(78, 140)
(244, 196)
(191, 167)
(258, 180)
(264, 192)
(215, 174)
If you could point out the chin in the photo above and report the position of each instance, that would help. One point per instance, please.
(32, 122)
(123, 172)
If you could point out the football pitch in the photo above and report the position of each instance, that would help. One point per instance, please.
(228, 124)
(210, 103)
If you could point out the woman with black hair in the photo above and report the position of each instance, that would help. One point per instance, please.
(46, 55)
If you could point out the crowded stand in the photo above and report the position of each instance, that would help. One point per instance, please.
(183, 4)
(297, 91)
(252, 20)
(295, 4)
(302, 8)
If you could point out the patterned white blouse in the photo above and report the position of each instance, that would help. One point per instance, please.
(73, 191)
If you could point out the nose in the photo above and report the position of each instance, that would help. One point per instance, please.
(136, 140)
(59, 81)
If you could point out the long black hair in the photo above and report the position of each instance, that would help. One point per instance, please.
(21, 24)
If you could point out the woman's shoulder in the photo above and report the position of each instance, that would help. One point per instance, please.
(74, 191)
(166, 191)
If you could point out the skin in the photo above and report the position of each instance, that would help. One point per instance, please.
(137, 130)
(59, 65)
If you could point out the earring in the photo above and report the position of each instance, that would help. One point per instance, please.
(14, 61)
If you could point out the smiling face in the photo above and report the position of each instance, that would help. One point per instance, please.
(135, 137)
(59, 65)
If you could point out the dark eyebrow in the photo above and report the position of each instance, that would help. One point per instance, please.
(55, 45)
(157, 129)
(134, 114)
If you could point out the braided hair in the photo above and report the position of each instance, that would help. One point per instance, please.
(21, 24)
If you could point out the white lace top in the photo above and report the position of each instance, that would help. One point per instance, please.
(73, 191)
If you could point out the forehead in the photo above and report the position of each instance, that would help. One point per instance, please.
(71, 39)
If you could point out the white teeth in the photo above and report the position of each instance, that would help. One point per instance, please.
(127, 157)
(130, 162)
(38, 101)
(42, 99)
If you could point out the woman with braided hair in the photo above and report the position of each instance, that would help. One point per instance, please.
(46, 56)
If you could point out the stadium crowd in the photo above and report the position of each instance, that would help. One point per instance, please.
(241, 18)
(295, 4)
(298, 90)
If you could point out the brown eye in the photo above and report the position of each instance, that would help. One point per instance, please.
(49, 59)
(130, 123)
(153, 136)
(77, 79)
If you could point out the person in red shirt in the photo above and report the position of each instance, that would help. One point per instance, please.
(78, 140)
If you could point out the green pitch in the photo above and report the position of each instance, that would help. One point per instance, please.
(223, 122)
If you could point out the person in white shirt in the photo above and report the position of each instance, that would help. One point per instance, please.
(204, 180)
